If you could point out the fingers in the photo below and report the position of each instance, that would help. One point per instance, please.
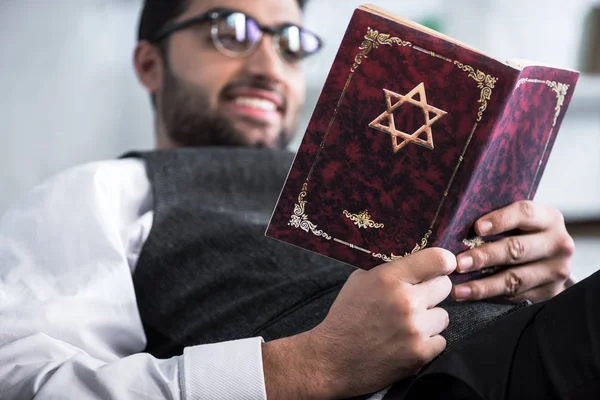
(508, 251)
(433, 292)
(552, 242)
(513, 281)
(423, 265)
(522, 215)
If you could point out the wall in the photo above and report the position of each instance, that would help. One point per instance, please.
(68, 92)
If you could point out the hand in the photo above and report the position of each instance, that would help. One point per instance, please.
(539, 259)
(382, 327)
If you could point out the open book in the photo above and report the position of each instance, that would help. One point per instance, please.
(414, 137)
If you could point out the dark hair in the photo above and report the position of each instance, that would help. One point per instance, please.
(158, 13)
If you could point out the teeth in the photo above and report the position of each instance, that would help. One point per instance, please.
(261, 104)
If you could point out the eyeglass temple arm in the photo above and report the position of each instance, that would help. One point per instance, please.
(174, 27)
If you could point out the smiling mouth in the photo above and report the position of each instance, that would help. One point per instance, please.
(257, 109)
(256, 103)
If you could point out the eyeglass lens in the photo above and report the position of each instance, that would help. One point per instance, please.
(239, 34)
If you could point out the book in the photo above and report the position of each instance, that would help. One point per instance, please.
(413, 138)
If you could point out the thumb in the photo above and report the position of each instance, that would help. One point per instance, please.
(422, 266)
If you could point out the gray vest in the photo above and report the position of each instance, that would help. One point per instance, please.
(207, 273)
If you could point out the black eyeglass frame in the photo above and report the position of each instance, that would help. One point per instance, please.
(215, 15)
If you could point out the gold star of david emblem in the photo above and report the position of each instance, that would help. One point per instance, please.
(400, 138)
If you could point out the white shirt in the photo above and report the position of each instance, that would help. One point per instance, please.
(69, 323)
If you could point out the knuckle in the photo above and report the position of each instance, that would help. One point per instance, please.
(412, 329)
(526, 208)
(405, 305)
(512, 283)
(515, 249)
(478, 291)
(566, 245)
(385, 280)
(481, 257)
(564, 271)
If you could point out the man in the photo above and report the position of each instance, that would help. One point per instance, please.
(149, 276)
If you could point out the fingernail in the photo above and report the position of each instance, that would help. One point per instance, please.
(465, 263)
(462, 292)
(485, 227)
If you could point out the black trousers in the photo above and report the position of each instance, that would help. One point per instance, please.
(549, 350)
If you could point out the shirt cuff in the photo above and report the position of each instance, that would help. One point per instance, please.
(227, 370)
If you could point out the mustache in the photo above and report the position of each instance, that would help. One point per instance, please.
(255, 82)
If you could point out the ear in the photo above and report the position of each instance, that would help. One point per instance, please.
(148, 66)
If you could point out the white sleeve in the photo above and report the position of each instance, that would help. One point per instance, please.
(69, 324)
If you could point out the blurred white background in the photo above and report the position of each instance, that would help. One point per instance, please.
(68, 93)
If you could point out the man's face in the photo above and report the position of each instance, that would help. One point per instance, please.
(208, 98)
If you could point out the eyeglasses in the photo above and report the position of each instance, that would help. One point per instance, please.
(236, 34)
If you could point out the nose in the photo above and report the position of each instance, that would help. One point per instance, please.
(266, 62)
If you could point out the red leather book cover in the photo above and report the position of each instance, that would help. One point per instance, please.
(412, 139)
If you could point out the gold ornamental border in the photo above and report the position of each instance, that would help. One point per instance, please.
(362, 220)
(561, 90)
(372, 40)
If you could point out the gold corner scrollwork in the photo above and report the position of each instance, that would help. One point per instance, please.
(484, 81)
(372, 41)
(387, 258)
(473, 243)
(561, 90)
(300, 220)
(363, 220)
(418, 247)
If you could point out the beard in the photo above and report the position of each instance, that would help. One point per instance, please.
(191, 122)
